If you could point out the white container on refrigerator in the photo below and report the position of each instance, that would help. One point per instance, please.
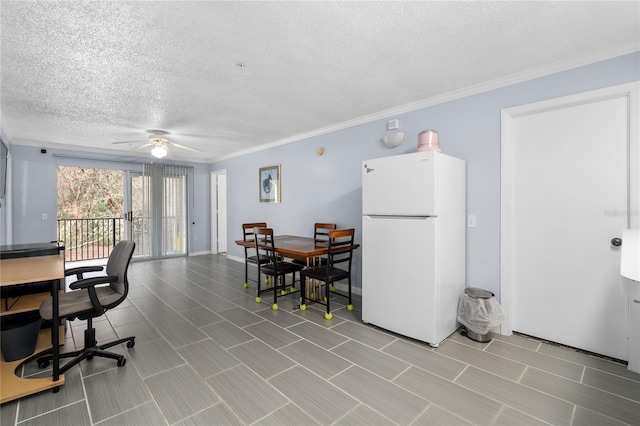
(413, 244)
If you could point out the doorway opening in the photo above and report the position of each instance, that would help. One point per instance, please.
(219, 212)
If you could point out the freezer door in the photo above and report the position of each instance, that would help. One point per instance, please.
(399, 290)
(400, 185)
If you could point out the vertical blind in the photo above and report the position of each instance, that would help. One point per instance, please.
(165, 210)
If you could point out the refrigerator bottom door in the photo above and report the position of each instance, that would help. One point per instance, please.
(399, 290)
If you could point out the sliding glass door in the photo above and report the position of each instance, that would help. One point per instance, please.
(174, 215)
(135, 216)
(158, 216)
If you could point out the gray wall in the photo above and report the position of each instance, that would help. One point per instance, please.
(34, 193)
(328, 188)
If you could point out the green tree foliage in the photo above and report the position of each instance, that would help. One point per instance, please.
(89, 193)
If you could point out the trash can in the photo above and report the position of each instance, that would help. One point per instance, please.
(19, 336)
(479, 312)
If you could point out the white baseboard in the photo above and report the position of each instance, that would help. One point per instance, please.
(236, 258)
(345, 289)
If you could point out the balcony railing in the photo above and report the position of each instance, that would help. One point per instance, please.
(94, 238)
(91, 238)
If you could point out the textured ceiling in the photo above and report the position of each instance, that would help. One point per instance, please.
(89, 73)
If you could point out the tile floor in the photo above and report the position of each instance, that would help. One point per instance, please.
(207, 354)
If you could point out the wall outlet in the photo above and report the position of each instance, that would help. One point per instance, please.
(471, 221)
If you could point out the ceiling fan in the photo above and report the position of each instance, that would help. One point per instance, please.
(158, 140)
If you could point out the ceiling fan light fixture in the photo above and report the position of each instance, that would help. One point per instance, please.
(159, 151)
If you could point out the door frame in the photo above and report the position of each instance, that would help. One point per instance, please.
(214, 209)
(629, 90)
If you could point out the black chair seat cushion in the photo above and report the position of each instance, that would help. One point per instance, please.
(77, 301)
(320, 273)
(254, 259)
(282, 267)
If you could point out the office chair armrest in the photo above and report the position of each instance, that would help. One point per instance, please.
(92, 282)
(79, 271)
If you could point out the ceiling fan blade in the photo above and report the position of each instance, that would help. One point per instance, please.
(145, 145)
(177, 145)
(138, 141)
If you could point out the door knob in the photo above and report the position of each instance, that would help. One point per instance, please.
(616, 242)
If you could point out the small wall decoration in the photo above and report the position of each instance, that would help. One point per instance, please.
(269, 181)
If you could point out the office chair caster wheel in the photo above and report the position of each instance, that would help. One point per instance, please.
(303, 307)
(43, 363)
(131, 343)
(349, 307)
(246, 285)
(258, 299)
(122, 362)
(328, 316)
(274, 307)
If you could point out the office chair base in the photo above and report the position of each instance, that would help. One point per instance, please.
(90, 351)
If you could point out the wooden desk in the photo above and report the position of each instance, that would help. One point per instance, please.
(32, 263)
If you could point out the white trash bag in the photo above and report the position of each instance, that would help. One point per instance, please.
(479, 314)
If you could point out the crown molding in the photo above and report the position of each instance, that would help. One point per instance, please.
(509, 80)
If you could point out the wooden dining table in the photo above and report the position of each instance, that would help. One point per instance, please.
(304, 249)
(295, 247)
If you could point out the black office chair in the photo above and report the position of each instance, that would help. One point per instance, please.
(90, 300)
(340, 252)
(320, 237)
(271, 264)
(247, 235)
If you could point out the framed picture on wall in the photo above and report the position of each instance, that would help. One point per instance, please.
(269, 181)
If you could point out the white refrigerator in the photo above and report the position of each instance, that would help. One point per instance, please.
(413, 244)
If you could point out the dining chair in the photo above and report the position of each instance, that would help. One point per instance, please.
(271, 264)
(340, 253)
(320, 237)
(247, 235)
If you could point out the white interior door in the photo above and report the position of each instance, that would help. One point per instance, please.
(566, 195)
(219, 211)
(222, 213)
